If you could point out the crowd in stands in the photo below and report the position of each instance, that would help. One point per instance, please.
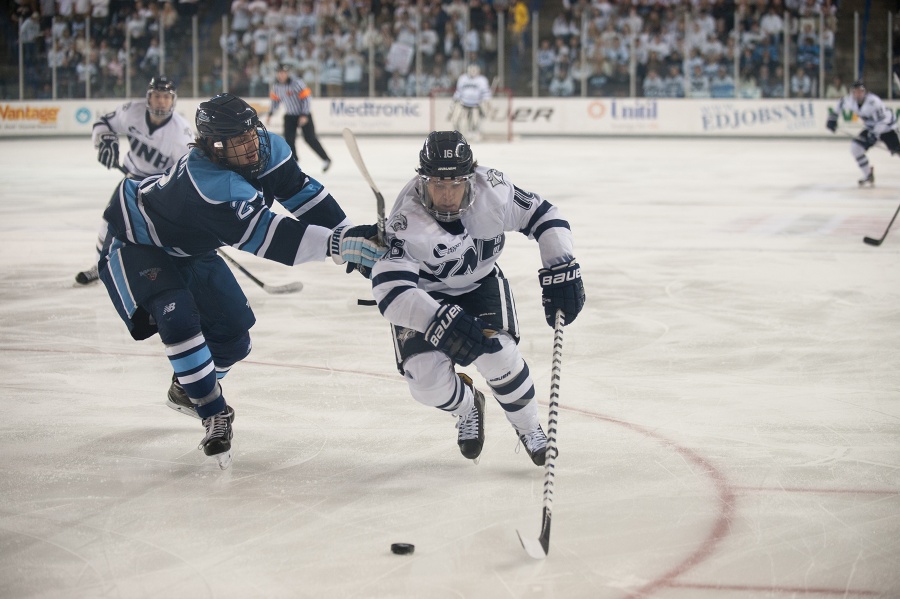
(652, 48)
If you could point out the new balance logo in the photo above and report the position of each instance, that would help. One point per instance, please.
(169, 308)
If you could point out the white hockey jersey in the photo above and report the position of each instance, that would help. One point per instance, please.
(151, 149)
(472, 91)
(875, 116)
(425, 256)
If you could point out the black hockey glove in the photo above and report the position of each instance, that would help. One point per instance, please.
(459, 335)
(870, 138)
(363, 270)
(108, 150)
(562, 289)
(832, 123)
(357, 245)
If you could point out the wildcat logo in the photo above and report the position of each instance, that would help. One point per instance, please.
(404, 335)
(399, 223)
(495, 177)
(151, 273)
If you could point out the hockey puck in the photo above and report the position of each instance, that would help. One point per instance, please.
(365, 302)
(402, 548)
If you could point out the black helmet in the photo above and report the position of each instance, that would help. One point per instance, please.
(446, 162)
(446, 154)
(858, 84)
(163, 85)
(224, 117)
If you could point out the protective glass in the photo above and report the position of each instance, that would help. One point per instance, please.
(160, 104)
(447, 199)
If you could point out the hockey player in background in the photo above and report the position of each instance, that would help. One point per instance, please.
(879, 123)
(446, 298)
(159, 261)
(470, 101)
(157, 137)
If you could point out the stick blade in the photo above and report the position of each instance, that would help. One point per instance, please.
(280, 289)
(872, 241)
(533, 547)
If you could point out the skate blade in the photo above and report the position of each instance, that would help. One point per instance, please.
(183, 410)
(224, 459)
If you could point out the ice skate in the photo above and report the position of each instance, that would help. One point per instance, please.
(535, 444)
(86, 277)
(471, 426)
(179, 401)
(217, 442)
(870, 180)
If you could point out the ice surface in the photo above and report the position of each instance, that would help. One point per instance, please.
(730, 401)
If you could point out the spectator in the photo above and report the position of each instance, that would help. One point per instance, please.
(698, 83)
(654, 86)
(801, 84)
(836, 88)
(562, 84)
(722, 84)
(674, 82)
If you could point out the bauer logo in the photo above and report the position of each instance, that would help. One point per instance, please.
(788, 116)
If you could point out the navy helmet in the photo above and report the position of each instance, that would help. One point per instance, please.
(446, 160)
(225, 117)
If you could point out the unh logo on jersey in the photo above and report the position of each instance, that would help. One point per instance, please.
(151, 273)
(495, 177)
(398, 223)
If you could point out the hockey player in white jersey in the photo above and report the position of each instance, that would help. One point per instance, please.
(879, 123)
(446, 298)
(470, 101)
(157, 137)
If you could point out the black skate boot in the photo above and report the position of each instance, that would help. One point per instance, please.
(471, 426)
(870, 180)
(535, 444)
(86, 277)
(217, 442)
(179, 401)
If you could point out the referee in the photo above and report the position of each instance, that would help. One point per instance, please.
(295, 95)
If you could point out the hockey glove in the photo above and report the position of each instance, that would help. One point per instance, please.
(869, 137)
(358, 245)
(562, 289)
(832, 123)
(108, 150)
(459, 335)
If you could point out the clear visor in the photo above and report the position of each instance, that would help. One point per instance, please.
(160, 104)
(447, 199)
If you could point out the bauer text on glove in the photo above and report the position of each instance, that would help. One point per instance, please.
(562, 289)
(459, 335)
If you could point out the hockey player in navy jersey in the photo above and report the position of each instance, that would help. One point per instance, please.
(879, 123)
(447, 299)
(159, 261)
(157, 137)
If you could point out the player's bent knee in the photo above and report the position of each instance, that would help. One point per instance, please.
(228, 353)
(431, 379)
(176, 315)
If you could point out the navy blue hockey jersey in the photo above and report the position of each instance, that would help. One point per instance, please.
(197, 206)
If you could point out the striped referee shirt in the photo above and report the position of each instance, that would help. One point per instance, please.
(293, 93)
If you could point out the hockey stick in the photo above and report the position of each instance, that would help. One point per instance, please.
(274, 289)
(540, 547)
(877, 242)
(350, 140)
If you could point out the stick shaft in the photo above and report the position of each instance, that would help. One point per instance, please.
(353, 147)
(871, 241)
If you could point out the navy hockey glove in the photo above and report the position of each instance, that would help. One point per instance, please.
(562, 289)
(363, 270)
(869, 137)
(832, 123)
(459, 335)
(358, 245)
(108, 150)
